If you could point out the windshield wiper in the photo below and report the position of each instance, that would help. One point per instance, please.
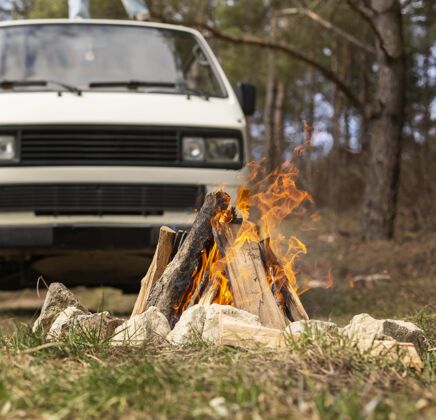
(188, 91)
(10, 84)
(131, 84)
(185, 89)
(137, 84)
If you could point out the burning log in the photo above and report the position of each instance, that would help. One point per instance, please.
(161, 258)
(178, 274)
(293, 304)
(221, 260)
(246, 274)
(199, 291)
(209, 294)
(293, 307)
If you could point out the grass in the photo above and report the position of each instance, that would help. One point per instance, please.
(318, 377)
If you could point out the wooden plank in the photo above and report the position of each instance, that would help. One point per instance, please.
(208, 296)
(161, 258)
(235, 333)
(177, 276)
(239, 334)
(293, 306)
(247, 277)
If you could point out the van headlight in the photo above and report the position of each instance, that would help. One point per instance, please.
(223, 150)
(212, 150)
(193, 149)
(8, 148)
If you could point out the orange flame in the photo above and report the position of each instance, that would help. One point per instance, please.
(273, 197)
(263, 203)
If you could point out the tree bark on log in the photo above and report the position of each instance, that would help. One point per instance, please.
(247, 277)
(161, 259)
(178, 274)
(293, 307)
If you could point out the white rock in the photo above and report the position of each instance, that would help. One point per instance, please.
(57, 299)
(218, 405)
(313, 325)
(150, 325)
(60, 324)
(364, 326)
(102, 324)
(189, 326)
(392, 350)
(212, 315)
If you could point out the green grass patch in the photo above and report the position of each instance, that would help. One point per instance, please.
(318, 377)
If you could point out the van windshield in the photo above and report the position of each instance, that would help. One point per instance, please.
(107, 57)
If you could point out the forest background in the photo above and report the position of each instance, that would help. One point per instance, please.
(360, 73)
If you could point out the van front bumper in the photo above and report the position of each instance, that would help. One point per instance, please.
(59, 239)
(50, 233)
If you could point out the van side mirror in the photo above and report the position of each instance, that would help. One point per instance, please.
(246, 94)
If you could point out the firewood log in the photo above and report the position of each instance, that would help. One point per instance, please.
(239, 334)
(202, 286)
(294, 308)
(246, 273)
(161, 258)
(177, 276)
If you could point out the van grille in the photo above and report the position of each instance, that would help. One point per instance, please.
(104, 199)
(99, 146)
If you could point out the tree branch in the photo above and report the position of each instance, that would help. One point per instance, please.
(368, 15)
(289, 51)
(363, 9)
(328, 25)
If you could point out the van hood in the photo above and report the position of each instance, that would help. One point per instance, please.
(31, 108)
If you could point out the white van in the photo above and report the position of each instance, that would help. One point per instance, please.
(108, 130)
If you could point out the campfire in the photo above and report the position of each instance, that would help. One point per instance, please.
(231, 280)
(233, 255)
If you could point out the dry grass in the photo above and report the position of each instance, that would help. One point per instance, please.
(318, 377)
(83, 377)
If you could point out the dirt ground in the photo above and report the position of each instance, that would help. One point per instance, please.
(24, 305)
(334, 247)
(81, 377)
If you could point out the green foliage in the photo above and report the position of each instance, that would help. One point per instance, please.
(99, 9)
(321, 377)
(255, 17)
(107, 9)
(22, 338)
(46, 9)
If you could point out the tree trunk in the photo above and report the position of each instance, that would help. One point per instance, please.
(268, 113)
(364, 94)
(335, 153)
(311, 111)
(385, 123)
(279, 122)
